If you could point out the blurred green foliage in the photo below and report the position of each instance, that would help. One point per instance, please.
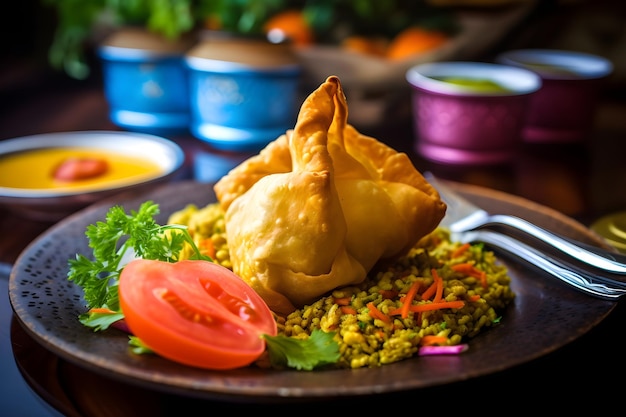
(331, 20)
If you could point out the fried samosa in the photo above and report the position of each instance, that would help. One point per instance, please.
(321, 205)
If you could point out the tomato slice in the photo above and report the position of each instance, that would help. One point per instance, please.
(195, 312)
(75, 169)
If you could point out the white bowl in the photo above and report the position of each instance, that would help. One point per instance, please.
(53, 203)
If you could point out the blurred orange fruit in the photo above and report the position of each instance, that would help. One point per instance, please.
(212, 23)
(365, 45)
(414, 40)
(290, 24)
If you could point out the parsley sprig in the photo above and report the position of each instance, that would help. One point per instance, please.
(120, 238)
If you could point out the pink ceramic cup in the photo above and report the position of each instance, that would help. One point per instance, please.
(563, 109)
(459, 124)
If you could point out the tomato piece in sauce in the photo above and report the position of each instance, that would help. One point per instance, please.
(80, 168)
(195, 312)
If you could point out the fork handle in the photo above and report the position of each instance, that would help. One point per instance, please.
(605, 288)
(597, 258)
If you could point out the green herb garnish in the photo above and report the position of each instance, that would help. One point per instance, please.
(122, 237)
(317, 350)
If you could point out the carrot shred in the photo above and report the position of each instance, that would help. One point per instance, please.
(102, 310)
(417, 308)
(430, 291)
(483, 279)
(471, 270)
(460, 250)
(430, 340)
(439, 286)
(207, 247)
(343, 301)
(474, 297)
(408, 299)
(388, 294)
(347, 310)
(465, 268)
(377, 314)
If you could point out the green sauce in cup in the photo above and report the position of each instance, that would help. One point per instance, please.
(475, 84)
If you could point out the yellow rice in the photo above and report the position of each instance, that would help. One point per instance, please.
(366, 341)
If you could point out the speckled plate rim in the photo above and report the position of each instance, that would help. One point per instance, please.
(545, 316)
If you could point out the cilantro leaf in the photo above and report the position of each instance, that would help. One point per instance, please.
(317, 350)
(138, 347)
(99, 321)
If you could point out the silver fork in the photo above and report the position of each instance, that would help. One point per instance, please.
(580, 279)
(464, 216)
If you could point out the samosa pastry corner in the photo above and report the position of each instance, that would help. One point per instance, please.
(321, 205)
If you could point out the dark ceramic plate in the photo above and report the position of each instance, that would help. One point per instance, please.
(545, 316)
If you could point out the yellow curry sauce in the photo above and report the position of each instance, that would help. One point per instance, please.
(35, 169)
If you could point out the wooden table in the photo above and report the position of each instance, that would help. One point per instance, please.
(582, 181)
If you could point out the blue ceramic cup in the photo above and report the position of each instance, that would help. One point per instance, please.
(145, 82)
(244, 92)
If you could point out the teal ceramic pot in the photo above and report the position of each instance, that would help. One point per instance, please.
(244, 93)
(145, 81)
